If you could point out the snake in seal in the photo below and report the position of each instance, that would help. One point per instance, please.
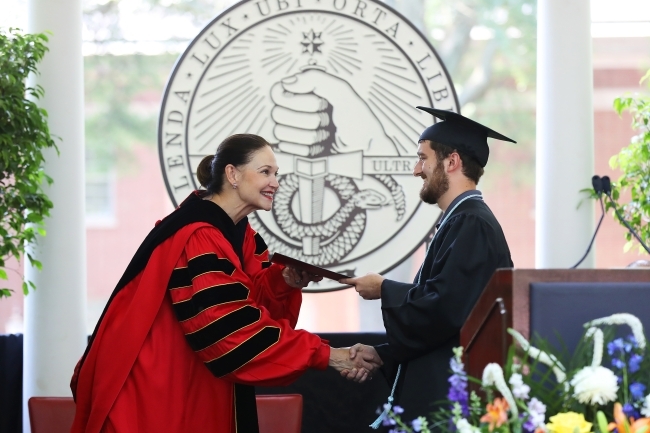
(339, 233)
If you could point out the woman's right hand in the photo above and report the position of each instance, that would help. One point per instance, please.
(358, 369)
(297, 278)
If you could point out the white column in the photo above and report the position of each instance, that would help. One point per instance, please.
(565, 150)
(55, 325)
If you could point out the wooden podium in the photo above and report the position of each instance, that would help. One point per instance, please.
(542, 302)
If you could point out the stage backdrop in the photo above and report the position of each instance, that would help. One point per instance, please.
(333, 86)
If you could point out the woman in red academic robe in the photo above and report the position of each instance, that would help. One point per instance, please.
(200, 315)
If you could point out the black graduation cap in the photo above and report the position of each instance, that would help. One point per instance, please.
(461, 133)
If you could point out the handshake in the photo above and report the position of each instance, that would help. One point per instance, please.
(357, 363)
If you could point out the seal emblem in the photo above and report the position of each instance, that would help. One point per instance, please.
(332, 85)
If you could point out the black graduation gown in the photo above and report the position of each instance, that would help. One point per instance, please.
(423, 318)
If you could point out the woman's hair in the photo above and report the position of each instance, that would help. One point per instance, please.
(237, 150)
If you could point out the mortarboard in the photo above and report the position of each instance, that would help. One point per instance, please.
(461, 133)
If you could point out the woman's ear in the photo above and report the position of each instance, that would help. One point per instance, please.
(232, 174)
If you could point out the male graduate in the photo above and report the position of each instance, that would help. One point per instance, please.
(423, 318)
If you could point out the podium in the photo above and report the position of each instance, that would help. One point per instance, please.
(546, 303)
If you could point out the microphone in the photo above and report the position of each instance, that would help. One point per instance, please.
(607, 189)
(606, 185)
(597, 183)
(599, 187)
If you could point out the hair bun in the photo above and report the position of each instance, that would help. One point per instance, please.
(204, 171)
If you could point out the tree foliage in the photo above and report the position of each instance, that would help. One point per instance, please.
(24, 135)
(634, 161)
(119, 91)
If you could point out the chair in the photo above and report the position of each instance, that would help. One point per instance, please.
(281, 413)
(51, 414)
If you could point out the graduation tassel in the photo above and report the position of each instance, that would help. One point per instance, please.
(388, 406)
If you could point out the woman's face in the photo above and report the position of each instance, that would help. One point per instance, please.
(258, 180)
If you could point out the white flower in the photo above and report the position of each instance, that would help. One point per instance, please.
(519, 388)
(493, 375)
(536, 412)
(595, 385)
(645, 410)
(623, 319)
(597, 333)
(542, 357)
(463, 426)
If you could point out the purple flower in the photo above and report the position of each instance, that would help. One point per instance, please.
(635, 363)
(417, 424)
(618, 363)
(389, 421)
(615, 346)
(529, 426)
(398, 410)
(632, 341)
(457, 381)
(630, 411)
(456, 367)
(458, 385)
(457, 395)
(637, 390)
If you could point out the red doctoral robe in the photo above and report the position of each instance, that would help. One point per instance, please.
(141, 375)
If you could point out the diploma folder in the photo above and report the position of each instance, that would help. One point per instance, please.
(304, 266)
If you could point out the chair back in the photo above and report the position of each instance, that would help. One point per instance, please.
(51, 414)
(279, 413)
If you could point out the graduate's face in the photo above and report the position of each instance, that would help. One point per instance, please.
(258, 180)
(435, 179)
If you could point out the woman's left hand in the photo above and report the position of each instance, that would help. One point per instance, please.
(297, 278)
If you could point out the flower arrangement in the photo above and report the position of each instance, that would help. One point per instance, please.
(600, 388)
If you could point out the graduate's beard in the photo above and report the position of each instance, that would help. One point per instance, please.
(436, 186)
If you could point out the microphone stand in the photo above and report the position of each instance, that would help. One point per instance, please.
(602, 215)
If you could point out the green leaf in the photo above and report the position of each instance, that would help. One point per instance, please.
(3, 275)
(24, 137)
(602, 422)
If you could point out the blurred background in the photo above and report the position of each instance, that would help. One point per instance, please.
(488, 47)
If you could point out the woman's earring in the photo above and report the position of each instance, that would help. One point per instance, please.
(234, 185)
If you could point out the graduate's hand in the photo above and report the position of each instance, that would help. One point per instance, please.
(368, 286)
(297, 278)
(362, 353)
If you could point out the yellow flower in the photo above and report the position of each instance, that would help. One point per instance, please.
(497, 413)
(568, 422)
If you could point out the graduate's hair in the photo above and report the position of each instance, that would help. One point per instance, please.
(237, 150)
(471, 168)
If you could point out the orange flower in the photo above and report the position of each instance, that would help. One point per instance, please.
(496, 414)
(641, 425)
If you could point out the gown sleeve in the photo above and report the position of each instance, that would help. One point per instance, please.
(421, 317)
(236, 338)
(281, 300)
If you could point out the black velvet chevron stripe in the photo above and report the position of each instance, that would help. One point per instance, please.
(260, 245)
(266, 265)
(209, 263)
(209, 297)
(180, 278)
(223, 327)
(245, 352)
